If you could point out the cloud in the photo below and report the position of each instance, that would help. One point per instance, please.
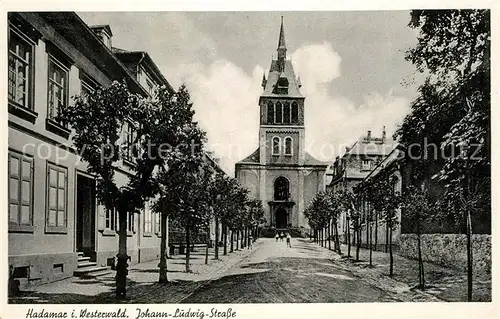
(316, 64)
(333, 121)
(226, 103)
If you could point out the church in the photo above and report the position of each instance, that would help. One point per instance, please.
(280, 172)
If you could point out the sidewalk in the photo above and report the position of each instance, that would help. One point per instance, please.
(445, 284)
(142, 283)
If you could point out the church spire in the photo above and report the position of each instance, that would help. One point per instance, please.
(281, 41)
(281, 48)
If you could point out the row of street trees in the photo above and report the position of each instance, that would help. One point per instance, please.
(452, 112)
(169, 166)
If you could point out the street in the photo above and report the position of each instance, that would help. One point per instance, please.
(274, 273)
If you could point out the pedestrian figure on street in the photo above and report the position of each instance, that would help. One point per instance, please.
(282, 236)
(277, 236)
(250, 241)
(288, 240)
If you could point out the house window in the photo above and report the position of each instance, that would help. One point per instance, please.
(366, 165)
(58, 88)
(286, 113)
(87, 85)
(57, 186)
(148, 223)
(276, 145)
(288, 146)
(129, 136)
(131, 222)
(20, 192)
(279, 113)
(270, 113)
(150, 87)
(111, 219)
(158, 224)
(20, 70)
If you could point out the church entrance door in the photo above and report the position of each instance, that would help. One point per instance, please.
(281, 218)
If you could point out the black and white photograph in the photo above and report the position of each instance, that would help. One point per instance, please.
(246, 157)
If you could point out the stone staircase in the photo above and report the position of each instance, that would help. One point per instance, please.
(89, 269)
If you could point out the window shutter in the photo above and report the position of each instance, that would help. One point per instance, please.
(101, 217)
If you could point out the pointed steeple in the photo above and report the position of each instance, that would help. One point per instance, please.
(264, 81)
(281, 41)
(281, 48)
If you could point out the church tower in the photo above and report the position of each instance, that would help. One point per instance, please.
(281, 173)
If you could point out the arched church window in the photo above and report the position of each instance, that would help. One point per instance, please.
(295, 113)
(279, 113)
(270, 112)
(281, 188)
(288, 145)
(276, 145)
(286, 113)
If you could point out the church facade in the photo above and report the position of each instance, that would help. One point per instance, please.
(280, 172)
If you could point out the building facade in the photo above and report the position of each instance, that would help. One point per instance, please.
(358, 161)
(56, 227)
(280, 172)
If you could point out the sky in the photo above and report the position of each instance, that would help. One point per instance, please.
(351, 64)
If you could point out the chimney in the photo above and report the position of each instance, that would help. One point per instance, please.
(104, 33)
(383, 135)
(369, 135)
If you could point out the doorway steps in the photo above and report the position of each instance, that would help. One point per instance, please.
(89, 269)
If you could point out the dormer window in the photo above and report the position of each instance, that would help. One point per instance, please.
(366, 165)
(104, 33)
(282, 85)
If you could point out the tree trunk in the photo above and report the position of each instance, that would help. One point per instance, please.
(337, 239)
(387, 230)
(348, 237)
(358, 243)
(208, 245)
(232, 242)
(224, 232)
(122, 257)
(163, 278)
(469, 256)
(329, 235)
(216, 238)
(376, 230)
(188, 248)
(237, 239)
(369, 239)
(391, 256)
(420, 261)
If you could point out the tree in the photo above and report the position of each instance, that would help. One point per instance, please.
(317, 212)
(352, 202)
(97, 121)
(418, 206)
(453, 109)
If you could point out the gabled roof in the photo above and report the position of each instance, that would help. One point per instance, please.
(274, 75)
(253, 158)
(137, 57)
(310, 160)
(373, 146)
(100, 27)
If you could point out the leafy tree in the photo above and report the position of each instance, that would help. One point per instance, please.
(418, 206)
(352, 202)
(453, 109)
(97, 120)
(178, 144)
